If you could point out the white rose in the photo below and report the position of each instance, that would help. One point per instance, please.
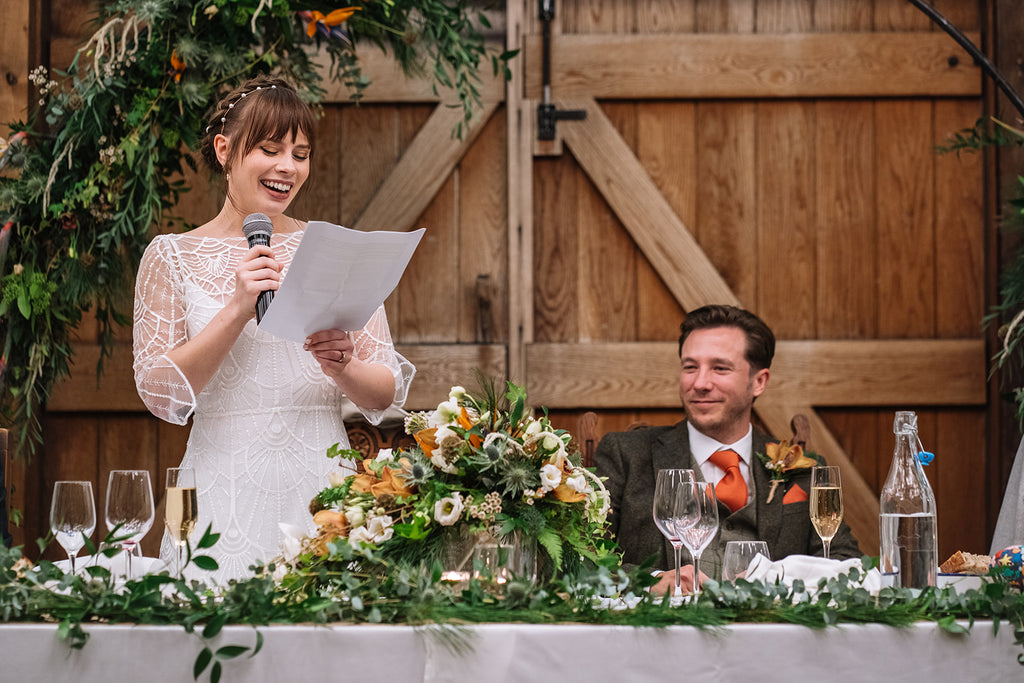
(577, 482)
(355, 515)
(448, 510)
(291, 541)
(456, 394)
(360, 535)
(383, 454)
(534, 427)
(550, 477)
(446, 413)
(337, 477)
(380, 529)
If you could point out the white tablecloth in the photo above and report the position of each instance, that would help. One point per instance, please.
(510, 652)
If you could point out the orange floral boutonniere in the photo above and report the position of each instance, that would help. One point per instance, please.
(781, 460)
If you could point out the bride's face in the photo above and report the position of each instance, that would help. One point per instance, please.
(267, 179)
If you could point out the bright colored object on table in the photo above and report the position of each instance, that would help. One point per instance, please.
(1010, 563)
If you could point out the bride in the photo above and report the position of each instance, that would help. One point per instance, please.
(264, 410)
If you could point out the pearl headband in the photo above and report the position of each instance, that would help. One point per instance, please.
(231, 106)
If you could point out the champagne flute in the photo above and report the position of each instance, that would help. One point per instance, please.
(180, 512)
(699, 501)
(72, 516)
(666, 507)
(130, 506)
(739, 555)
(826, 503)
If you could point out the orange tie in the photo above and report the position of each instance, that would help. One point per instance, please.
(731, 489)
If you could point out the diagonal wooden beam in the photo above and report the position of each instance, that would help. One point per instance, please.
(646, 214)
(424, 167)
(860, 502)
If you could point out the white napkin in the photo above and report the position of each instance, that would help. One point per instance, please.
(810, 570)
(140, 565)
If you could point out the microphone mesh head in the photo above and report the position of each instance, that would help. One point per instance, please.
(257, 223)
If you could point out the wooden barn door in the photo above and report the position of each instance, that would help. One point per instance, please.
(779, 155)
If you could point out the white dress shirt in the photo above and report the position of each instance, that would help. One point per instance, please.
(703, 447)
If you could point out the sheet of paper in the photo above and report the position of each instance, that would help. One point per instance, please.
(337, 279)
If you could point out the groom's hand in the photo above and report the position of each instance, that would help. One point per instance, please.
(667, 580)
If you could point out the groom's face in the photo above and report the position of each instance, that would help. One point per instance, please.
(716, 383)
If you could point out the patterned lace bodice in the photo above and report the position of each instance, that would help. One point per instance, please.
(262, 425)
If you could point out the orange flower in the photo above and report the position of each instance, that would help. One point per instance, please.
(568, 495)
(389, 483)
(177, 66)
(427, 440)
(780, 459)
(318, 20)
(475, 440)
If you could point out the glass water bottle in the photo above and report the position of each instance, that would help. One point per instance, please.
(909, 548)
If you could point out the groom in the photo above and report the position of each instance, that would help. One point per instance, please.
(725, 354)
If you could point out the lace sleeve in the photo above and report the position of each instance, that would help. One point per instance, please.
(159, 327)
(373, 345)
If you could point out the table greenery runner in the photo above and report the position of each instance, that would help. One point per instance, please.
(90, 173)
(414, 596)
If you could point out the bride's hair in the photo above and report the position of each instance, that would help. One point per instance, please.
(262, 108)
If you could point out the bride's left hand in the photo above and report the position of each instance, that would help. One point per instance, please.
(332, 349)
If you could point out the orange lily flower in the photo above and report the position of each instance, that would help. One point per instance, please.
(318, 20)
(177, 66)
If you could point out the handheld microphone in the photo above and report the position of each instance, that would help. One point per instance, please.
(257, 229)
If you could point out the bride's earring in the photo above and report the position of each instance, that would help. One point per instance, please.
(227, 177)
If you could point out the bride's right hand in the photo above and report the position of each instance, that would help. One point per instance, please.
(256, 273)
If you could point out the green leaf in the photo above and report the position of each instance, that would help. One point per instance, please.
(202, 661)
(231, 651)
(205, 562)
(214, 625)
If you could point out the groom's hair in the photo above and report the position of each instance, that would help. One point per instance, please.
(760, 339)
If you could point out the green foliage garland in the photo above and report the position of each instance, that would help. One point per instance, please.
(406, 595)
(93, 169)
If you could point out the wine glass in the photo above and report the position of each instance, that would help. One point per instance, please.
(130, 505)
(72, 516)
(739, 555)
(666, 507)
(826, 503)
(180, 511)
(698, 501)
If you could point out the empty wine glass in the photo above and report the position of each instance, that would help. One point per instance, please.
(180, 511)
(826, 503)
(739, 555)
(666, 511)
(698, 501)
(130, 505)
(72, 516)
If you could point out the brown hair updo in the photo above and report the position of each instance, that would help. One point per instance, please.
(262, 108)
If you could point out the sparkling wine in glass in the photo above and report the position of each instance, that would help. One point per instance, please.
(181, 511)
(129, 509)
(698, 501)
(72, 516)
(666, 511)
(826, 503)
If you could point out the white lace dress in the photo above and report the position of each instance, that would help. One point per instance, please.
(262, 426)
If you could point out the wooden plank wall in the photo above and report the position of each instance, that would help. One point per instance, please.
(832, 218)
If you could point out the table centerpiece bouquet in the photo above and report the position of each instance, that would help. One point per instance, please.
(483, 470)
